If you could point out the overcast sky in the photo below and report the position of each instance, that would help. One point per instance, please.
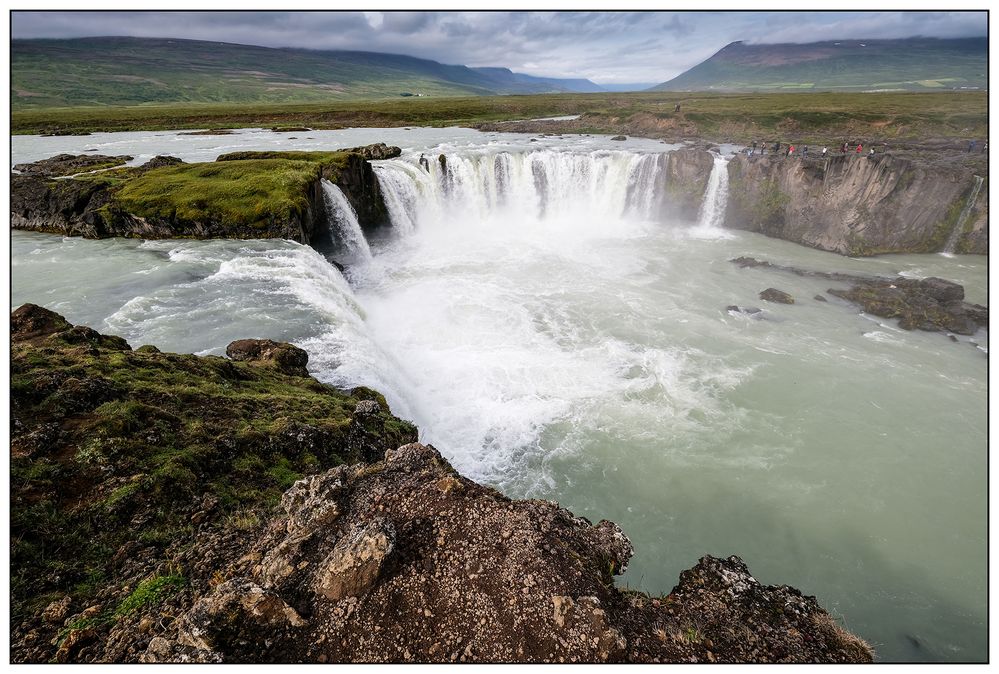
(604, 47)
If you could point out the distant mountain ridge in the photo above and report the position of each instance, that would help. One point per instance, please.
(134, 71)
(909, 64)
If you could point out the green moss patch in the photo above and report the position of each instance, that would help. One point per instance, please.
(115, 450)
(251, 193)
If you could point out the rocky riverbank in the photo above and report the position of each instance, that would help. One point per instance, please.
(176, 508)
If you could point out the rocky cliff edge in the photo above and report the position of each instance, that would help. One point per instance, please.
(148, 524)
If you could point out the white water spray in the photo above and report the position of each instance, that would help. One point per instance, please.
(955, 234)
(712, 215)
(344, 226)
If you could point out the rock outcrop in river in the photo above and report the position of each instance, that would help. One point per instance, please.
(249, 195)
(931, 304)
(859, 205)
(177, 508)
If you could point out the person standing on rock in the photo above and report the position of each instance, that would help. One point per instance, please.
(753, 151)
(843, 147)
(971, 146)
(790, 151)
(777, 147)
(860, 148)
(870, 155)
(804, 153)
(824, 150)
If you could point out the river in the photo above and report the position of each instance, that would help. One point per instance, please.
(556, 338)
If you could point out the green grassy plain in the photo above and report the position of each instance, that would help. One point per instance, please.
(737, 117)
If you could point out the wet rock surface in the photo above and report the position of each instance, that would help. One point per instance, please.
(931, 304)
(775, 295)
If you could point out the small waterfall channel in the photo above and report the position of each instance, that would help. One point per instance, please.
(712, 214)
(343, 223)
(955, 234)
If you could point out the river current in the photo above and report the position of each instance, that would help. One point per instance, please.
(555, 336)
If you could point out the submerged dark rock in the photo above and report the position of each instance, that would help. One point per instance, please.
(917, 304)
(753, 312)
(931, 304)
(775, 295)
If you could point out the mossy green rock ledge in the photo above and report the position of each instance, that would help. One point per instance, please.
(245, 195)
(119, 457)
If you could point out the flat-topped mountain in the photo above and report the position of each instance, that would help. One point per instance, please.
(131, 71)
(917, 64)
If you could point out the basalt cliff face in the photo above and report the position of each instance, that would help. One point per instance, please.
(859, 205)
(176, 508)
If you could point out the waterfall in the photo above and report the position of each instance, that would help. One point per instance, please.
(955, 234)
(523, 186)
(343, 223)
(712, 214)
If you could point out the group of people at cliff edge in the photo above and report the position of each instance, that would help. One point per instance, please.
(790, 150)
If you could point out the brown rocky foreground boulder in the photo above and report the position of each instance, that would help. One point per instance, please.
(405, 560)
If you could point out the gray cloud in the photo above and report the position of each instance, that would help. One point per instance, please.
(606, 47)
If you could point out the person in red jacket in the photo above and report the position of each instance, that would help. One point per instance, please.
(860, 148)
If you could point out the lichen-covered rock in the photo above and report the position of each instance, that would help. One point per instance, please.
(57, 610)
(241, 620)
(161, 160)
(376, 151)
(286, 357)
(162, 650)
(356, 561)
(29, 321)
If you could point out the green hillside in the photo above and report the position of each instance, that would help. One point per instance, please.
(912, 64)
(135, 71)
